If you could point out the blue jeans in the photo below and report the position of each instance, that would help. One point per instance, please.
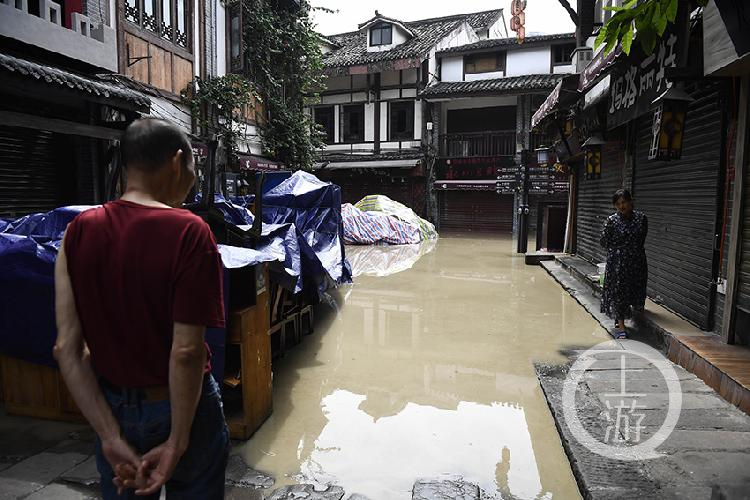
(145, 425)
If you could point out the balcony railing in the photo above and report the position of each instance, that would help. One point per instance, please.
(496, 143)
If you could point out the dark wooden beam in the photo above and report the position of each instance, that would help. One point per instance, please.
(13, 119)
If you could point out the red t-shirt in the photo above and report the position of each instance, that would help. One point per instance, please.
(136, 270)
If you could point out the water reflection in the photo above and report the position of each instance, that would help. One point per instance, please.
(357, 450)
(385, 260)
(428, 373)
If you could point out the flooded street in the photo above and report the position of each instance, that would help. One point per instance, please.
(427, 373)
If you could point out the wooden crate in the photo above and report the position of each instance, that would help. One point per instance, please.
(33, 390)
(248, 329)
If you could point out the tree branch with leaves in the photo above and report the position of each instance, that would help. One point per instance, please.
(643, 21)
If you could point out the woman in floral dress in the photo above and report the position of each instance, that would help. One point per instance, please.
(627, 271)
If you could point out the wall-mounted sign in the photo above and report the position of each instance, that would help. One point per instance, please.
(473, 168)
(641, 81)
(248, 162)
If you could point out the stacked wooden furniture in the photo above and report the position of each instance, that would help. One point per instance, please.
(248, 380)
(291, 319)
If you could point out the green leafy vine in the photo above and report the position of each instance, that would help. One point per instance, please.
(217, 105)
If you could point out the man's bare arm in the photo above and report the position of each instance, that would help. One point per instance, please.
(72, 356)
(186, 364)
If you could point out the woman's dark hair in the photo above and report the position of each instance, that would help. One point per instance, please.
(621, 194)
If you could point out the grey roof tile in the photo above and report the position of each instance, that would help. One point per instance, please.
(507, 85)
(492, 43)
(64, 78)
(428, 32)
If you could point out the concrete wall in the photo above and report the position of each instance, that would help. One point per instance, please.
(452, 69)
(531, 61)
(99, 50)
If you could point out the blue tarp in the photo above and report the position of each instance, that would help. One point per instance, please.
(314, 207)
(302, 235)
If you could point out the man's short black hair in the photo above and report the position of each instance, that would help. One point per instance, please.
(149, 143)
(621, 194)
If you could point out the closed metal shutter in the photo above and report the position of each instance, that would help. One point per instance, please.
(595, 201)
(476, 211)
(28, 176)
(680, 199)
(743, 292)
(354, 188)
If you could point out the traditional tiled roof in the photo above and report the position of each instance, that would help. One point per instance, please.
(427, 33)
(507, 42)
(507, 85)
(72, 81)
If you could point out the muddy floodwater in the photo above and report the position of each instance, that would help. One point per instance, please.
(427, 374)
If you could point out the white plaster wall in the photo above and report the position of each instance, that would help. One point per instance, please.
(383, 121)
(388, 78)
(452, 69)
(418, 120)
(432, 67)
(499, 30)
(359, 97)
(408, 92)
(472, 77)
(563, 69)
(369, 122)
(531, 61)
(460, 36)
(398, 36)
(221, 39)
(196, 40)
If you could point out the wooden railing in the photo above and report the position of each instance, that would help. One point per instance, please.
(495, 143)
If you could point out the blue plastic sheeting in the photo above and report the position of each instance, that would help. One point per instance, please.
(238, 215)
(28, 250)
(314, 207)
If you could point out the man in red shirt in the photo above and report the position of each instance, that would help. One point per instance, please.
(137, 282)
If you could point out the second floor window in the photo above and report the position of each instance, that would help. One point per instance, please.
(168, 19)
(484, 63)
(381, 34)
(563, 54)
(401, 116)
(236, 55)
(353, 123)
(324, 119)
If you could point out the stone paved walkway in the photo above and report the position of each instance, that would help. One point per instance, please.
(705, 457)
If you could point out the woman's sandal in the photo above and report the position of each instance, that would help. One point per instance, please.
(621, 335)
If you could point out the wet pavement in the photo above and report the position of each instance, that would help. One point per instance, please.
(428, 373)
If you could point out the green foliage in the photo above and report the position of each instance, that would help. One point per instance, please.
(217, 104)
(644, 20)
(283, 53)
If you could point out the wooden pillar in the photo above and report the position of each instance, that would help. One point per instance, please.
(736, 227)
(376, 89)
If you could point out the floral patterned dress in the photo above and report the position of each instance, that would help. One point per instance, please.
(627, 270)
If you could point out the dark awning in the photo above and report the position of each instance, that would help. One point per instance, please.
(89, 86)
(564, 93)
(596, 67)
